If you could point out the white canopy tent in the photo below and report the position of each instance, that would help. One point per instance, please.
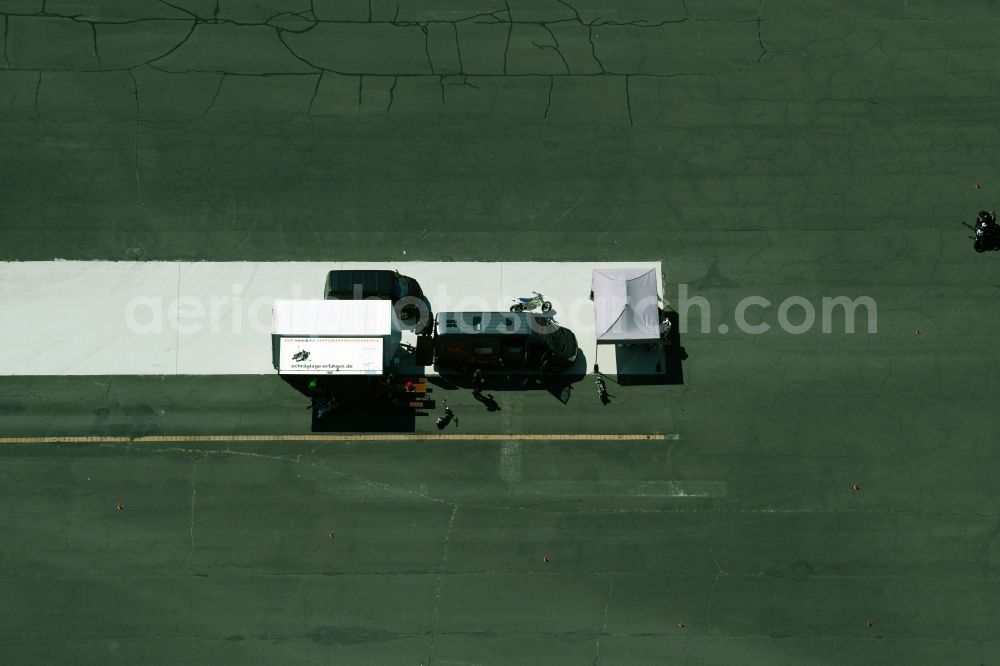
(626, 304)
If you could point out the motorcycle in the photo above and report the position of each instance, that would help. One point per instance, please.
(987, 232)
(449, 416)
(529, 303)
(602, 390)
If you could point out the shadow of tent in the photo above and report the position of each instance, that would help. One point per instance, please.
(668, 358)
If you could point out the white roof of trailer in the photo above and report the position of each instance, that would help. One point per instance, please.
(332, 318)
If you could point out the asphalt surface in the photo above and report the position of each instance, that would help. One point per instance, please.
(770, 149)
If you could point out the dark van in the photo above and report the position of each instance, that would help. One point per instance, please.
(515, 341)
(352, 284)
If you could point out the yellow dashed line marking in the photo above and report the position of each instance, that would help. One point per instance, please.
(327, 437)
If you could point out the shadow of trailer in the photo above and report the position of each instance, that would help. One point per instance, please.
(378, 403)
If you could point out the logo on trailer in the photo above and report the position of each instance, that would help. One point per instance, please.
(301, 356)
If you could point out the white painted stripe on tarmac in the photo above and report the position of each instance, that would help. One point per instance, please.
(214, 318)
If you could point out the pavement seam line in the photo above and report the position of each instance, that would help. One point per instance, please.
(322, 437)
(440, 582)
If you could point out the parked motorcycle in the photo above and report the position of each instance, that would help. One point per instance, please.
(449, 416)
(987, 232)
(529, 303)
(602, 390)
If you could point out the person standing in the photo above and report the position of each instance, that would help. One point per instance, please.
(478, 380)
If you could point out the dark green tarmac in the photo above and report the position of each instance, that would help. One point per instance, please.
(774, 149)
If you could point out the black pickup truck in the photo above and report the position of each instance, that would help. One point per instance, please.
(404, 292)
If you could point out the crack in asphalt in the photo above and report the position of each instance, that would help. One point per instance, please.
(440, 581)
(194, 495)
(215, 96)
(194, 24)
(392, 93)
(312, 100)
(560, 636)
(138, 180)
(548, 102)
(177, 7)
(593, 49)
(719, 574)
(554, 48)
(760, 40)
(575, 11)
(506, 48)
(6, 28)
(604, 625)
(97, 53)
(417, 76)
(458, 49)
(427, 47)
(628, 102)
(38, 87)
(281, 38)
(469, 573)
(473, 17)
(312, 21)
(310, 17)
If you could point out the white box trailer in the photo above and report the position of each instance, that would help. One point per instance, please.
(334, 337)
